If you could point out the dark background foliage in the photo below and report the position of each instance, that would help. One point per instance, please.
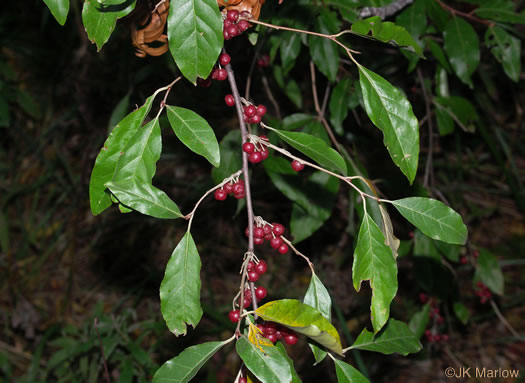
(69, 281)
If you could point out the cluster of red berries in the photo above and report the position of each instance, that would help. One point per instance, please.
(236, 188)
(256, 153)
(482, 292)
(232, 26)
(435, 314)
(274, 332)
(253, 114)
(270, 233)
(254, 271)
(434, 338)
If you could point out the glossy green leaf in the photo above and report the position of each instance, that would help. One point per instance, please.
(462, 312)
(195, 133)
(501, 11)
(451, 252)
(293, 92)
(489, 272)
(231, 156)
(340, 103)
(459, 109)
(303, 319)
(195, 36)
(373, 261)
(391, 112)
(302, 224)
(386, 32)
(296, 121)
(348, 374)
(433, 218)
(100, 22)
(107, 159)
(396, 337)
(269, 366)
(185, 366)
(462, 47)
(144, 198)
(413, 18)
(444, 121)
(318, 297)
(419, 321)
(315, 148)
(180, 288)
(290, 48)
(295, 377)
(506, 49)
(59, 9)
(323, 51)
(438, 53)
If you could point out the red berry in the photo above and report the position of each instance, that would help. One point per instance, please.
(276, 242)
(250, 110)
(261, 267)
(283, 249)
(214, 73)
(258, 232)
(222, 74)
(247, 14)
(255, 157)
(225, 59)
(238, 187)
(204, 82)
(239, 196)
(264, 154)
(290, 339)
(261, 327)
(428, 333)
(220, 195)
(232, 15)
(260, 292)
(243, 25)
(444, 338)
(261, 110)
(228, 188)
(278, 229)
(258, 241)
(463, 260)
(297, 166)
(233, 31)
(227, 23)
(229, 100)
(225, 34)
(250, 266)
(254, 119)
(267, 229)
(272, 338)
(269, 331)
(234, 316)
(247, 301)
(248, 147)
(243, 380)
(253, 276)
(264, 61)
(475, 253)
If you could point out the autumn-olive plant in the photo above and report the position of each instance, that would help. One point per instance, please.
(197, 35)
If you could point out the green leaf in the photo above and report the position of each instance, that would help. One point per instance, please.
(318, 297)
(459, 109)
(295, 378)
(293, 92)
(396, 337)
(302, 224)
(296, 121)
(290, 48)
(462, 312)
(144, 198)
(195, 36)
(391, 112)
(269, 366)
(303, 319)
(373, 261)
(315, 148)
(388, 231)
(195, 133)
(438, 54)
(501, 11)
(433, 218)
(323, 51)
(59, 9)
(462, 47)
(99, 22)
(386, 32)
(180, 288)
(230, 154)
(413, 18)
(106, 162)
(348, 374)
(489, 272)
(419, 321)
(445, 122)
(506, 49)
(185, 366)
(340, 103)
